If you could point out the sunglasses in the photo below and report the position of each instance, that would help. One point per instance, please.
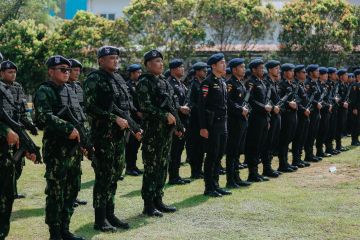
(63, 69)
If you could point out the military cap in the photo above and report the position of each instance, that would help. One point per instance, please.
(175, 63)
(133, 67)
(57, 60)
(287, 67)
(299, 68)
(272, 64)
(312, 67)
(331, 70)
(351, 75)
(323, 70)
(191, 72)
(7, 65)
(228, 70)
(255, 63)
(107, 51)
(236, 62)
(357, 72)
(1, 56)
(341, 71)
(75, 63)
(199, 66)
(167, 73)
(213, 59)
(151, 55)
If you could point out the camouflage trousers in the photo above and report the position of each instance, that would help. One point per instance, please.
(108, 166)
(18, 171)
(7, 192)
(156, 156)
(63, 184)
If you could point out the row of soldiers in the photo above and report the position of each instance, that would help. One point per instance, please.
(256, 114)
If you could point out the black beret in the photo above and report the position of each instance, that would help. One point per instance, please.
(7, 65)
(57, 60)
(1, 57)
(341, 71)
(331, 70)
(351, 75)
(299, 68)
(357, 72)
(167, 73)
(133, 67)
(236, 62)
(272, 64)
(255, 63)
(151, 55)
(323, 70)
(312, 68)
(213, 59)
(199, 66)
(107, 51)
(75, 63)
(175, 63)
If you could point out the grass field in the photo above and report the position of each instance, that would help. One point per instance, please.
(309, 204)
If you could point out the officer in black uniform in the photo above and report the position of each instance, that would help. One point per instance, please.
(237, 121)
(333, 85)
(288, 116)
(325, 113)
(312, 88)
(271, 146)
(259, 119)
(8, 76)
(303, 114)
(194, 140)
(355, 108)
(343, 108)
(213, 118)
(177, 72)
(133, 145)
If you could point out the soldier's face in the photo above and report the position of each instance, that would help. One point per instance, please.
(323, 77)
(344, 78)
(9, 75)
(155, 66)
(109, 63)
(289, 75)
(60, 73)
(74, 74)
(178, 72)
(259, 71)
(301, 75)
(333, 76)
(201, 73)
(239, 71)
(135, 75)
(315, 74)
(274, 72)
(219, 67)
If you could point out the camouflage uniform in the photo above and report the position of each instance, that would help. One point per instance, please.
(157, 136)
(59, 153)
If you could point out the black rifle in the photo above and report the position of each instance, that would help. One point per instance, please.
(133, 126)
(268, 95)
(245, 103)
(311, 99)
(167, 104)
(85, 141)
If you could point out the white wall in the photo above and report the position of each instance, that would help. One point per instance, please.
(107, 6)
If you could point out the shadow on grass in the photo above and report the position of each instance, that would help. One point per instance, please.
(27, 213)
(87, 184)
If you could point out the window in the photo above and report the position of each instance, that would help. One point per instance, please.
(110, 16)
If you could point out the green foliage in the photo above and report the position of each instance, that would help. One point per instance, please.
(313, 30)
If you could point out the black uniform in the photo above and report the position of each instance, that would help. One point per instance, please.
(334, 88)
(213, 117)
(342, 115)
(354, 99)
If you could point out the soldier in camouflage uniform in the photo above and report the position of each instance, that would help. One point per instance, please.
(8, 76)
(105, 91)
(74, 83)
(60, 146)
(154, 92)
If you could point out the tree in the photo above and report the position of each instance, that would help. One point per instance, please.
(170, 25)
(312, 31)
(240, 21)
(23, 43)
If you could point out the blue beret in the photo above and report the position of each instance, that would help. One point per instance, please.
(341, 71)
(1, 57)
(351, 75)
(7, 65)
(215, 58)
(151, 55)
(57, 60)
(312, 67)
(272, 64)
(107, 50)
(199, 66)
(323, 70)
(331, 70)
(299, 68)
(255, 63)
(75, 63)
(357, 72)
(167, 73)
(287, 66)
(133, 67)
(236, 62)
(175, 63)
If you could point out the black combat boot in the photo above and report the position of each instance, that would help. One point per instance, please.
(113, 220)
(239, 181)
(66, 234)
(150, 210)
(101, 224)
(159, 204)
(254, 175)
(55, 232)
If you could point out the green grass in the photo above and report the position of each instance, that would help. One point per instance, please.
(309, 204)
